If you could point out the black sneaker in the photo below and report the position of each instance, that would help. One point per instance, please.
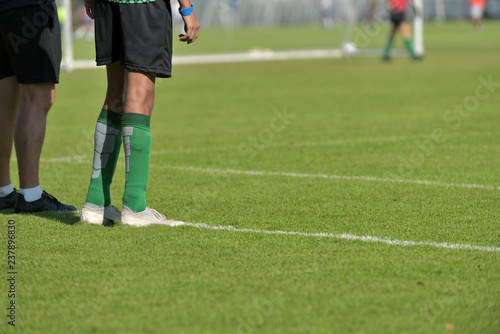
(9, 201)
(46, 203)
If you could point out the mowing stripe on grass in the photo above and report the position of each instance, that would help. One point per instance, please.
(297, 144)
(337, 177)
(344, 236)
(323, 143)
(84, 158)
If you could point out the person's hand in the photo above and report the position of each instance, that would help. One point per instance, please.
(89, 8)
(191, 27)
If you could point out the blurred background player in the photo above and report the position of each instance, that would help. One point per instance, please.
(397, 10)
(326, 14)
(370, 13)
(134, 42)
(86, 28)
(30, 57)
(476, 11)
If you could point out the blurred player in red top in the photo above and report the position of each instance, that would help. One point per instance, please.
(476, 12)
(397, 9)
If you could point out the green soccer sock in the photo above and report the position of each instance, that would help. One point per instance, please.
(388, 47)
(137, 145)
(409, 46)
(107, 143)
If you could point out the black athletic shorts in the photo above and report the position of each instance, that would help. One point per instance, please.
(138, 35)
(30, 44)
(397, 17)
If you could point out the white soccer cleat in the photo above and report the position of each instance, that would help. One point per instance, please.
(146, 217)
(99, 215)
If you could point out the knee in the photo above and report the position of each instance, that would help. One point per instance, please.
(45, 102)
(40, 97)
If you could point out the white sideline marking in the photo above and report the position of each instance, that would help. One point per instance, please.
(84, 159)
(251, 56)
(338, 177)
(364, 238)
(80, 160)
(256, 55)
(241, 57)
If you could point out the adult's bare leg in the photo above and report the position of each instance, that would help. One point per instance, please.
(9, 107)
(36, 101)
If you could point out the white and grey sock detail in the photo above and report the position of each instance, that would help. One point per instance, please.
(127, 132)
(105, 137)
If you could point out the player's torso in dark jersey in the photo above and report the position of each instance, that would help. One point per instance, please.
(9, 4)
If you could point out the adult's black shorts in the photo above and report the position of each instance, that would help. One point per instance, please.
(138, 35)
(30, 44)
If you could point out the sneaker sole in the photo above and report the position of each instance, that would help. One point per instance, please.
(132, 221)
(94, 217)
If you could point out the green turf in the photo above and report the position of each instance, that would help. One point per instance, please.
(351, 117)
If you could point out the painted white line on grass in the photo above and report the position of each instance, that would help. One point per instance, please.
(240, 57)
(299, 175)
(337, 177)
(256, 55)
(351, 237)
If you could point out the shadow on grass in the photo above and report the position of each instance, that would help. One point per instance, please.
(68, 218)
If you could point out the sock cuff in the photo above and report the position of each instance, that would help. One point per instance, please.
(31, 194)
(6, 190)
(136, 120)
(110, 118)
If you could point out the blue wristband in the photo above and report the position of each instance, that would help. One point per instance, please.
(186, 11)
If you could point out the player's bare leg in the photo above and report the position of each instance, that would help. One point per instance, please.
(406, 34)
(11, 99)
(9, 107)
(37, 99)
(477, 21)
(114, 95)
(388, 46)
(139, 97)
(139, 92)
(405, 30)
(29, 134)
(108, 138)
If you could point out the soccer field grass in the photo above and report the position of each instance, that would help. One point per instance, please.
(323, 196)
